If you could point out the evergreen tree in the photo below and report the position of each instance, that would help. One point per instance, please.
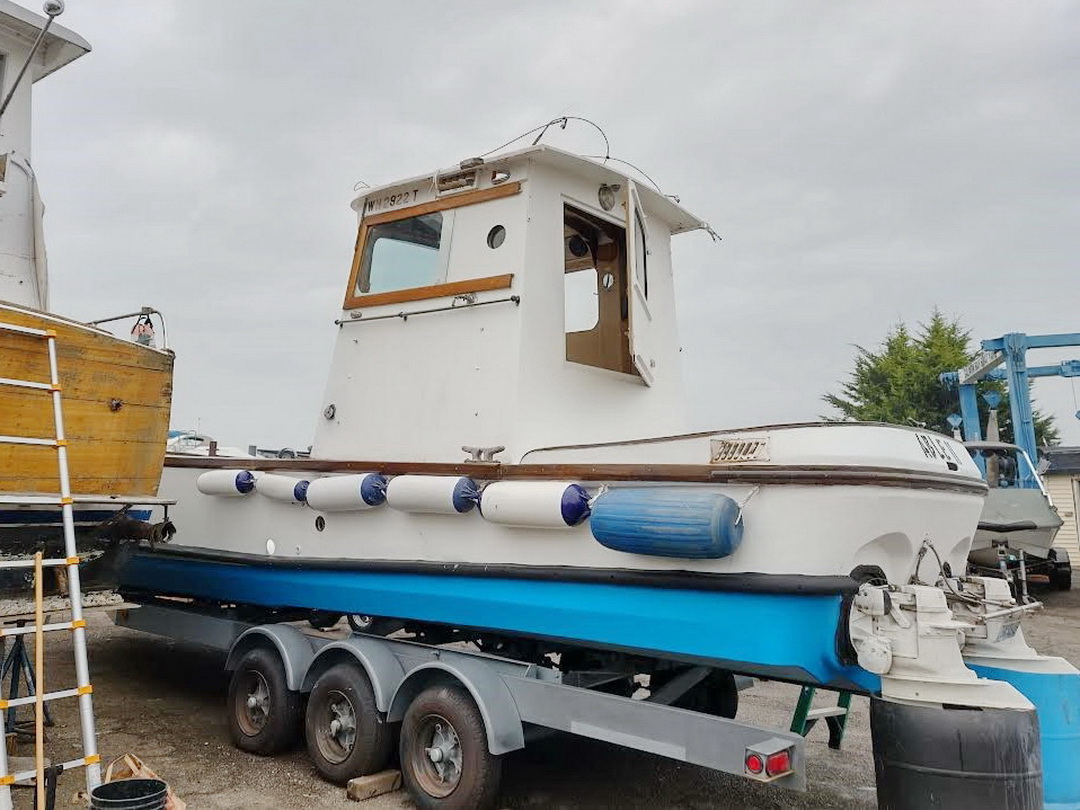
(900, 382)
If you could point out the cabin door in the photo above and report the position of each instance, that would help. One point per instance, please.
(642, 333)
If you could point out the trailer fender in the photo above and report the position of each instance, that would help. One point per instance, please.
(497, 707)
(293, 646)
(377, 660)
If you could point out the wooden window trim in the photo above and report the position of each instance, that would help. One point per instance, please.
(432, 291)
(352, 301)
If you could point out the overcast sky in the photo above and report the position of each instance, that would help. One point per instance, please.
(864, 163)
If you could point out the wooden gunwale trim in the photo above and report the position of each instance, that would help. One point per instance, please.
(352, 300)
(471, 285)
(28, 313)
(802, 475)
(722, 433)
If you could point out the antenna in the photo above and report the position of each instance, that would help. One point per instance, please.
(52, 9)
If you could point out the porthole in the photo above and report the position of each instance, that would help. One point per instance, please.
(496, 236)
(320, 523)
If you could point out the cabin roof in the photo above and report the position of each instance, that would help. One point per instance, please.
(1062, 459)
(60, 47)
(678, 218)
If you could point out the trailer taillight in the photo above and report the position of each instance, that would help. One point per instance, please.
(779, 763)
(755, 764)
(769, 760)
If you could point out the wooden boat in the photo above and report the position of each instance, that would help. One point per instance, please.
(116, 392)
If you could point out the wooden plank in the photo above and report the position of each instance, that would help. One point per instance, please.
(804, 475)
(432, 291)
(112, 450)
(376, 784)
(446, 202)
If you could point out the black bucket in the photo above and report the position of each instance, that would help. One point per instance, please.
(927, 756)
(130, 794)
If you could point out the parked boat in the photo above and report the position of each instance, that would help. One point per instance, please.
(116, 391)
(1017, 516)
(193, 443)
(501, 457)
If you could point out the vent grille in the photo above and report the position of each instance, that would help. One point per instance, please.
(456, 181)
(733, 451)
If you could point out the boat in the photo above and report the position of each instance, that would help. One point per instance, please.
(502, 457)
(1018, 516)
(116, 390)
(193, 443)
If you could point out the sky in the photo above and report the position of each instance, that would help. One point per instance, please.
(863, 162)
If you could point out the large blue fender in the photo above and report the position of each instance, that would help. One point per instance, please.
(1053, 685)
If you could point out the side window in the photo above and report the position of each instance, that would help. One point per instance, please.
(405, 253)
(581, 305)
(641, 254)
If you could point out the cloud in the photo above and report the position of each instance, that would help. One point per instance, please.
(864, 163)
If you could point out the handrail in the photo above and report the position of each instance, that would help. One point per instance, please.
(143, 311)
(514, 299)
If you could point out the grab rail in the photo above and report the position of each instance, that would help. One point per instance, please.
(144, 311)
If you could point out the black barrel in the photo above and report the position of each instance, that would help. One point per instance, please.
(130, 794)
(955, 757)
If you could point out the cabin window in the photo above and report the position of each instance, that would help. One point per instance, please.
(581, 303)
(405, 253)
(595, 316)
(641, 253)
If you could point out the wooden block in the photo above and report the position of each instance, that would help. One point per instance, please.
(376, 784)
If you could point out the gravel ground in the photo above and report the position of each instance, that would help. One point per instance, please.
(164, 701)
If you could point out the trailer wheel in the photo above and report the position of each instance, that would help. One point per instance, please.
(445, 762)
(346, 736)
(264, 714)
(1061, 577)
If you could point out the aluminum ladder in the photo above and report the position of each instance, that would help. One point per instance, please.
(77, 625)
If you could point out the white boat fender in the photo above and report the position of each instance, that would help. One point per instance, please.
(226, 483)
(286, 488)
(347, 493)
(685, 522)
(535, 504)
(433, 494)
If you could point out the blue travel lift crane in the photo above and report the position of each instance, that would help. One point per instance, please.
(1011, 350)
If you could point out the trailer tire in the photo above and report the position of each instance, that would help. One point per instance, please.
(445, 719)
(346, 736)
(264, 714)
(1061, 578)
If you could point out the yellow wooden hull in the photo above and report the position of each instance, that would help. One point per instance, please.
(116, 398)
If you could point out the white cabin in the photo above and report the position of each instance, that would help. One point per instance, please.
(518, 302)
(23, 272)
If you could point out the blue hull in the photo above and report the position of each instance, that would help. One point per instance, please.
(789, 636)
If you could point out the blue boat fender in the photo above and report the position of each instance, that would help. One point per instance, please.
(535, 504)
(347, 493)
(432, 494)
(690, 523)
(285, 488)
(226, 483)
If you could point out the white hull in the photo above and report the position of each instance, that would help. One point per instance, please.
(820, 527)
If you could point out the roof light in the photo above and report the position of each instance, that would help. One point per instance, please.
(606, 196)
